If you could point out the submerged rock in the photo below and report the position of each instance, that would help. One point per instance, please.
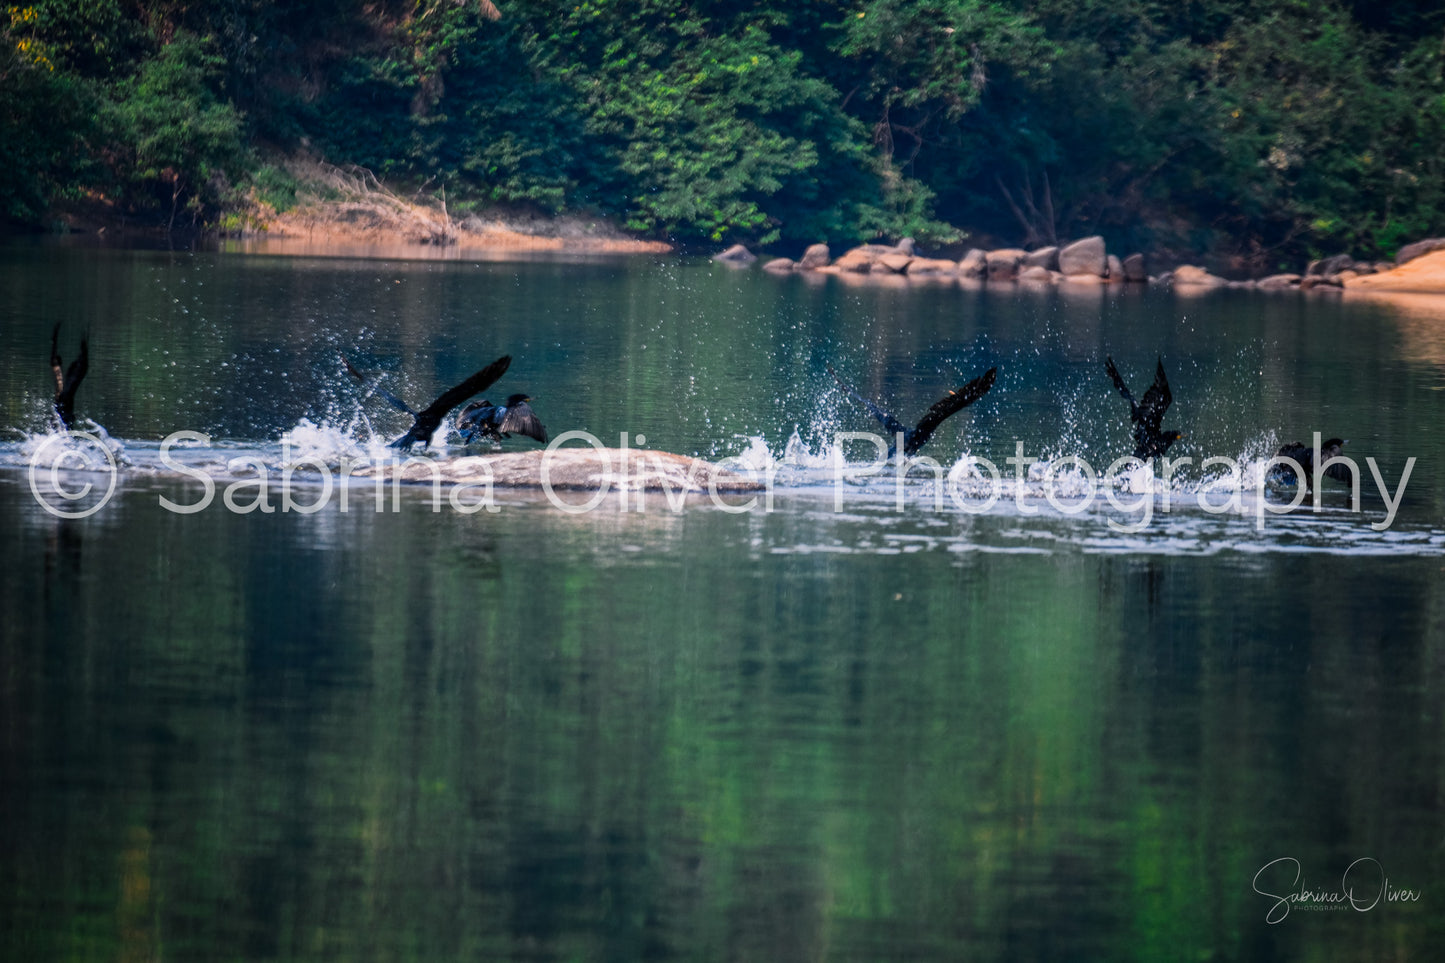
(575, 469)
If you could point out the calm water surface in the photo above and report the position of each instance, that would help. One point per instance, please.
(834, 730)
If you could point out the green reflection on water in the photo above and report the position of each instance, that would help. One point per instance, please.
(397, 736)
(701, 736)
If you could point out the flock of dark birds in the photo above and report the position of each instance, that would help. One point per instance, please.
(487, 422)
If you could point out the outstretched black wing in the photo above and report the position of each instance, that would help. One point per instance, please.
(56, 365)
(522, 420)
(950, 404)
(1118, 381)
(67, 381)
(888, 421)
(1156, 400)
(76, 372)
(474, 385)
(429, 419)
(396, 402)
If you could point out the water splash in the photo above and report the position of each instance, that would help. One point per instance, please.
(57, 448)
(327, 444)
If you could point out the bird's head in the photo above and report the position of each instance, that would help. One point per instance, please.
(1334, 443)
(515, 400)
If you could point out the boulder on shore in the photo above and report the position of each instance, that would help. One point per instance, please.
(866, 257)
(893, 263)
(1003, 265)
(737, 254)
(1411, 251)
(921, 266)
(1134, 269)
(858, 260)
(1044, 257)
(974, 264)
(1278, 282)
(1189, 275)
(781, 265)
(1085, 256)
(816, 256)
(1330, 265)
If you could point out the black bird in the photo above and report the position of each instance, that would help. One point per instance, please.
(482, 419)
(1149, 440)
(66, 382)
(1305, 456)
(916, 437)
(429, 419)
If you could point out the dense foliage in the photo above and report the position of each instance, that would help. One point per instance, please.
(1262, 130)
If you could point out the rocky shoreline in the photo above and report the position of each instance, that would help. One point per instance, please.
(1087, 261)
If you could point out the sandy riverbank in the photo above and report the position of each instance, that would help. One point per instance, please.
(348, 212)
(344, 229)
(1423, 275)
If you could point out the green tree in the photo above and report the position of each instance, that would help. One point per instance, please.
(177, 136)
(44, 121)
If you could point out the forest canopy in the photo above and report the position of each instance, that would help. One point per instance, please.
(1264, 131)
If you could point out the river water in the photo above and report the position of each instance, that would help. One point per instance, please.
(873, 714)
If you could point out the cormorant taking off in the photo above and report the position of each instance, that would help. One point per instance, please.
(429, 419)
(1149, 440)
(66, 382)
(482, 419)
(916, 437)
(1305, 456)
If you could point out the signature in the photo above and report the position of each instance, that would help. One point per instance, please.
(1363, 886)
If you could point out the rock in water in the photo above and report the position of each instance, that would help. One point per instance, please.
(575, 469)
